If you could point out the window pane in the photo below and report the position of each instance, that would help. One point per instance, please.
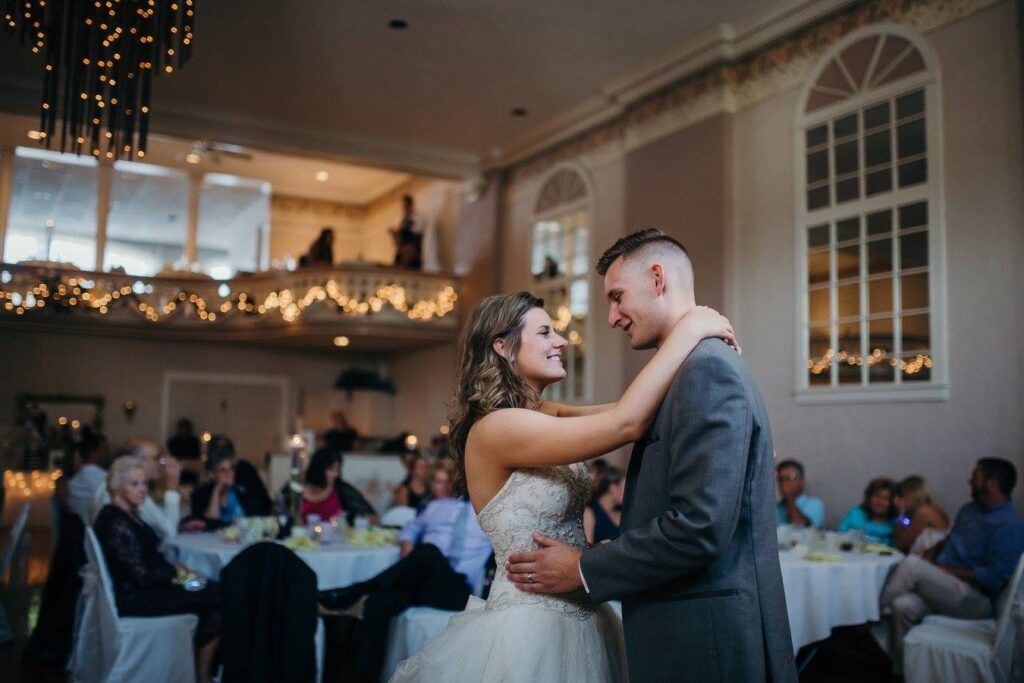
(878, 182)
(877, 149)
(879, 256)
(849, 300)
(817, 136)
(820, 356)
(911, 104)
(848, 262)
(914, 290)
(880, 295)
(881, 360)
(848, 229)
(578, 299)
(916, 368)
(848, 355)
(817, 268)
(817, 236)
(52, 215)
(817, 166)
(846, 158)
(845, 127)
(913, 215)
(916, 334)
(910, 139)
(879, 223)
(234, 215)
(913, 173)
(817, 198)
(581, 259)
(876, 116)
(148, 218)
(914, 250)
(818, 304)
(847, 190)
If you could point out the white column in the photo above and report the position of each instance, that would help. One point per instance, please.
(6, 183)
(103, 182)
(195, 191)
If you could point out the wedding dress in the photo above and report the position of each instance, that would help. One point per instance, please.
(528, 637)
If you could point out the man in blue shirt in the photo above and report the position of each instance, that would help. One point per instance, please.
(443, 554)
(964, 575)
(796, 507)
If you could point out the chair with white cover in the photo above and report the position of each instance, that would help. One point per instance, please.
(398, 516)
(410, 631)
(962, 650)
(153, 649)
(14, 540)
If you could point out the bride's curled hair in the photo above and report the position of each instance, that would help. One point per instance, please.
(486, 380)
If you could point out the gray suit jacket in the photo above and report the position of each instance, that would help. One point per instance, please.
(697, 564)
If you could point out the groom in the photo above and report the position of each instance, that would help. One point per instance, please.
(697, 565)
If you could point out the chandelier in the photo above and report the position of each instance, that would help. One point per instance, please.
(100, 60)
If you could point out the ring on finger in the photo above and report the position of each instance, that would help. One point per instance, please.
(529, 578)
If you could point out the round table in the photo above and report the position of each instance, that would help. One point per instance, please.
(336, 565)
(823, 595)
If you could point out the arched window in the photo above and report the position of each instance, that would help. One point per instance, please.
(869, 222)
(560, 261)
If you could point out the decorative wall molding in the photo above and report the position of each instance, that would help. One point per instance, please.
(732, 84)
(282, 202)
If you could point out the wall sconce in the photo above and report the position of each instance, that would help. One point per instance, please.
(129, 410)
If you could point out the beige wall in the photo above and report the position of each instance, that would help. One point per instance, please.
(122, 369)
(423, 386)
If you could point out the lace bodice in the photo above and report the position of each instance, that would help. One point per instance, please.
(549, 500)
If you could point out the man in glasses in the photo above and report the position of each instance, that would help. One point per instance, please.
(796, 507)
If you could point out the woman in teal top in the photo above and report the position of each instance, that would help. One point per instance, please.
(873, 516)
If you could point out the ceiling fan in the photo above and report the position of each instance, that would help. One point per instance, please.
(204, 150)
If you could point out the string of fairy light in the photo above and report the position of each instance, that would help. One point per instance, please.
(76, 293)
(909, 366)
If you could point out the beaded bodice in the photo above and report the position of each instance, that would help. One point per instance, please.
(549, 500)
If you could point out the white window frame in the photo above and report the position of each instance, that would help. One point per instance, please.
(937, 389)
(543, 287)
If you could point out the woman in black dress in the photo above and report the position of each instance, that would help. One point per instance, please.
(602, 514)
(415, 490)
(143, 580)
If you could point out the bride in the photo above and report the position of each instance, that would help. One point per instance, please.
(521, 460)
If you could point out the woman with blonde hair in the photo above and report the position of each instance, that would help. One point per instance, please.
(920, 521)
(143, 579)
(521, 460)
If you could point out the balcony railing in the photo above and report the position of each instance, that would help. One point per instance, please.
(313, 299)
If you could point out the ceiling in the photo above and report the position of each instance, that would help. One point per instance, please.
(333, 78)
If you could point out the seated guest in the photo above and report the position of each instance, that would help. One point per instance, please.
(965, 574)
(796, 507)
(142, 578)
(319, 497)
(601, 515)
(93, 454)
(166, 473)
(443, 556)
(184, 445)
(222, 500)
(414, 492)
(352, 501)
(920, 522)
(874, 515)
(341, 437)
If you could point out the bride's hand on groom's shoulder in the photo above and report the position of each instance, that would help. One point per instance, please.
(553, 568)
(703, 322)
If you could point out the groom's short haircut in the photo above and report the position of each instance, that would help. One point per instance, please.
(649, 241)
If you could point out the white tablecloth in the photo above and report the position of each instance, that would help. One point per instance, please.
(336, 565)
(823, 595)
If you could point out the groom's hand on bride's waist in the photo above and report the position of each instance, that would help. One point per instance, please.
(552, 568)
